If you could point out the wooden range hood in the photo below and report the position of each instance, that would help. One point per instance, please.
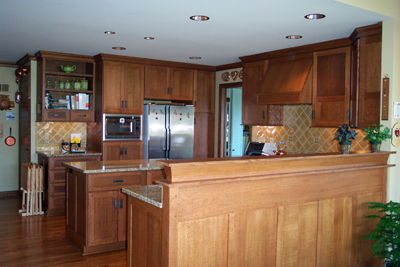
(288, 80)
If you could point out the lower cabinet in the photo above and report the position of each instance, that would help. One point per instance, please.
(54, 181)
(114, 150)
(97, 209)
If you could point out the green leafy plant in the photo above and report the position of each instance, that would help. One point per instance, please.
(344, 133)
(374, 133)
(385, 237)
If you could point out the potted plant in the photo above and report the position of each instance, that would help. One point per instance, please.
(386, 235)
(344, 133)
(375, 136)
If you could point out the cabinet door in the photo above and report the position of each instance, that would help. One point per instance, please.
(112, 76)
(253, 75)
(133, 87)
(331, 87)
(181, 84)
(112, 150)
(156, 82)
(204, 84)
(103, 211)
(204, 135)
(133, 150)
(253, 114)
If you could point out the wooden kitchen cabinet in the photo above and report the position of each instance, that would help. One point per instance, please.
(203, 135)
(331, 87)
(168, 83)
(204, 91)
(100, 225)
(59, 108)
(366, 76)
(114, 150)
(54, 181)
(122, 87)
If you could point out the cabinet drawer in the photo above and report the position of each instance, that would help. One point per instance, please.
(56, 115)
(57, 189)
(57, 176)
(57, 202)
(112, 181)
(82, 115)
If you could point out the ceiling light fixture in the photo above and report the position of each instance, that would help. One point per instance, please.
(199, 18)
(118, 48)
(294, 37)
(314, 16)
(109, 32)
(195, 57)
(149, 38)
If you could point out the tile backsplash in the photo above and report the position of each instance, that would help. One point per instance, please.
(298, 136)
(57, 132)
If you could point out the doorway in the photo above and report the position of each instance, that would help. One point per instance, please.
(233, 136)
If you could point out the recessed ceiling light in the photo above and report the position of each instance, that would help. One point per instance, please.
(118, 48)
(195, 57)
(314, 16)
(149, 38)
(294, 37)
(109, 32)
(199, 18)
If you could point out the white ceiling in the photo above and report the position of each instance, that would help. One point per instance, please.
(236, 27)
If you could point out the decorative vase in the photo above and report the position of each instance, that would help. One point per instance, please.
(375, 146)
(345, 147)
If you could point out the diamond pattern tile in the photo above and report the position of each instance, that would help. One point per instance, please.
(58, 131)
(297, 123)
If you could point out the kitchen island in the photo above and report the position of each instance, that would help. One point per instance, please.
(300, 210)
(96, 209)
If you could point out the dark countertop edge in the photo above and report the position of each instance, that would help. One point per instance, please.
(129, 192)
(53, 153)
(67, 165)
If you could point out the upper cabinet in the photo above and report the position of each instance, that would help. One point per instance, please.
(204, 84)
(122, 86)
(65, 87)
(331, 87)
(168, 83)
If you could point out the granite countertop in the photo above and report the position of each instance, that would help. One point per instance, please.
(114, 166)
(151, 194)
(58, 153)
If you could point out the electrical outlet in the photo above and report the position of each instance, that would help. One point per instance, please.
(316, 140)
(290, 138)
(46, 136)
(271, 140)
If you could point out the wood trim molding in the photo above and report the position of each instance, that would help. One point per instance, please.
(72, 57)
(297, 50)
(229, 66)
(26, 59)
(8, 64)
(366, 31)
(147, 61)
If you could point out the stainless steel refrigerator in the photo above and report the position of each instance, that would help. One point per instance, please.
(168, 131)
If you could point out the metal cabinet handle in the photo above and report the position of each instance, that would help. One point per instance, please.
(56, 115)
(62, 189)
(122, 151)
(263, 114)
(121, 205)
(195, 103)
(172, 90)
(126, 150)
(168, 90)
(82, 115)
(122, 104)
(63, 176)
(63, 201)
(115, 204)
(118, 181)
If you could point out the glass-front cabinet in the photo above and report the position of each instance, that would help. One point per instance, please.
(65, 87)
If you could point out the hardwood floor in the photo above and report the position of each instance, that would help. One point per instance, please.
(39, 241)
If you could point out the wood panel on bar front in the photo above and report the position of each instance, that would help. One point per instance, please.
(304, 210)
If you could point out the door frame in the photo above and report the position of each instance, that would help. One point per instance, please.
(222, 115)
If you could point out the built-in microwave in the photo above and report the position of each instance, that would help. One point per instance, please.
(122, 127)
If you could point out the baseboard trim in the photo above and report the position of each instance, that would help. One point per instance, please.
(5, 194)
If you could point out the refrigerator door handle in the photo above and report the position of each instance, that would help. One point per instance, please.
(168, 139)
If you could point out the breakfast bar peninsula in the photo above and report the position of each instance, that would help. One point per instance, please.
(294, 210)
